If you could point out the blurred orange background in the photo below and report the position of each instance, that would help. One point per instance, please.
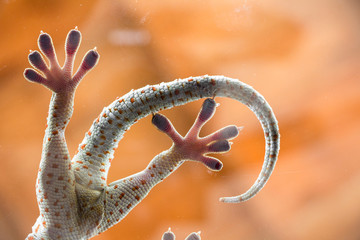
(302, 56)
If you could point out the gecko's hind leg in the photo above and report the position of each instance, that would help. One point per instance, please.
(192, 147)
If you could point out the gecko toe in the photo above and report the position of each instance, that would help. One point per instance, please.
(37, 61)
(161, 122)
(72, 42)
(207, 110)
(32, 76)
(212, 163)
(169, 235)
(46, 45)
(219, 146)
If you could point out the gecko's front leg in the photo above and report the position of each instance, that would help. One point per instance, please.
(123, 195)
(55, 186)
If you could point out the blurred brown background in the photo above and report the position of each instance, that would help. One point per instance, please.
(303, 56)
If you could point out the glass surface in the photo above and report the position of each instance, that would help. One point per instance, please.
(302, 56)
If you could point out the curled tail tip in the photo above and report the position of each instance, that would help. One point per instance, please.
(235, 199)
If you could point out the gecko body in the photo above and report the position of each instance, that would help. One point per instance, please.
(74, 198)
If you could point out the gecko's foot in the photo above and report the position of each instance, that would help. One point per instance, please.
(194, 148)
(54, 77)
(169, 235)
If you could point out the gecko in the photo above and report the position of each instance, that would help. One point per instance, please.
(74, 199)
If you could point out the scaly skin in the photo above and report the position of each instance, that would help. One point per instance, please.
(74, 198)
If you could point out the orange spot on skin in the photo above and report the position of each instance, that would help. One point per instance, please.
(121, 195)
(55, 132)
(129, 206)
(89, 154)
(137, 197)
(121, 211)
(121, 100)
(89, 133)
(132, 100)
(46, 210)
(154, 89)
(83, 146)
(102, 170)
(36, 230)
(103, 178)
(86, 167)
(79, 162)
(104, 115)
(143, 182)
